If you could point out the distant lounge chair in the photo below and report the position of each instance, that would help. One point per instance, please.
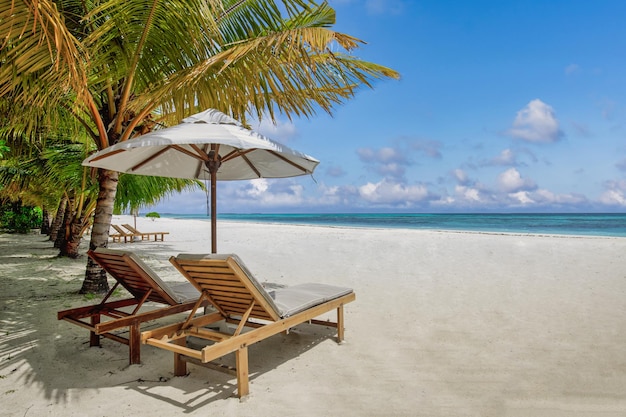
(122, 234)
(146, 235)
(239, 299)
(144, 285)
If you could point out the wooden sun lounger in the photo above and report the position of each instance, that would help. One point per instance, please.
(122, 234)
(144, 285)
(239, 299)
(146, 235)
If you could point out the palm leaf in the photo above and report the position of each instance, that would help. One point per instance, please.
(41, 59)
(136, 191)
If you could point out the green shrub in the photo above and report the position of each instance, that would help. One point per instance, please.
(153, 215)
(20, 219)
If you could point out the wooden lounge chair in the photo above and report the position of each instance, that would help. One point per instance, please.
(146, 235)
(240, 300)
(122, 234)
(144, 285)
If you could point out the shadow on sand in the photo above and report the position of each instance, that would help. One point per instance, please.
(37, 350)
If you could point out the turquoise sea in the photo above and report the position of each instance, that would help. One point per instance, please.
(593, 224)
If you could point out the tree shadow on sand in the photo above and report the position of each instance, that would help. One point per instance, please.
(62, 366)
(53, 359)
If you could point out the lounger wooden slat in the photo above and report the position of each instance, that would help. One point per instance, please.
(122, 234)
(146, 235)
(144, 286)
(242, 301)
(228, 291)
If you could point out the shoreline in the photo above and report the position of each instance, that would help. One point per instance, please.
(453, 231)
(443, 324)
(541, 230)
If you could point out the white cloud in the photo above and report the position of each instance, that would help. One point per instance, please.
(282, 131)
(511, 181)
(468, 194)
(242, 196)
(506, 158)
(256, 188)
(335, 196)
(390, 155)
(388, 162)
(460, 176)
(391, 170)
(536, 123)
(511, 158)
(512, 191)
(615, 195)
(393, 193)
(613, 198)
(522, 197)
(382, 155)
(547, 197)
(262, 192)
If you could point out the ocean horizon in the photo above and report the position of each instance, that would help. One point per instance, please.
(584, 224)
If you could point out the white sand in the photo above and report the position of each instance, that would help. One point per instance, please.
(445, 324)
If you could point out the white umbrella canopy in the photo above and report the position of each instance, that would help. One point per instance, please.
(210, 146)
(182, 151)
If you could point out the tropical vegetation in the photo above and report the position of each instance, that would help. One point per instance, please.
(121, 68)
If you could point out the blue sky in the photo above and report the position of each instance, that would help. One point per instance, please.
(503, 106)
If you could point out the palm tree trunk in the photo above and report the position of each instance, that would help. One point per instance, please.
(95, 277)
(63, 232)
(58, 219)
(69, 246)
(45, 220)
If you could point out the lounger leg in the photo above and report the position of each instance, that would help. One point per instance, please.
(340, 329)
(241, 357)
(94, 339)
(180, 366)
(134, 343)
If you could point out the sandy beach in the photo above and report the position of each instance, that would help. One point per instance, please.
(445, 324)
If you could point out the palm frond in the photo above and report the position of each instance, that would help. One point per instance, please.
(263, 61)
(42, 60)
(136, 191)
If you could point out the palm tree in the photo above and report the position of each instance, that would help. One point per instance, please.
(120, 66)
(55, 177)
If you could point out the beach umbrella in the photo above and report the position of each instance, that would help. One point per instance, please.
(208, 146)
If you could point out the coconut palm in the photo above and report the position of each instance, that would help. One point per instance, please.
(62, 166)
(55, 177)
(43, 168)
(122, 66)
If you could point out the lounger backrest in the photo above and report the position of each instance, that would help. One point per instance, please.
(120, 230)
(134, 275)
(229, 285)
(132, 229)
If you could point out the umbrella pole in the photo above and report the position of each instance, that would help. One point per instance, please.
(213, 214)
(213, 164)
